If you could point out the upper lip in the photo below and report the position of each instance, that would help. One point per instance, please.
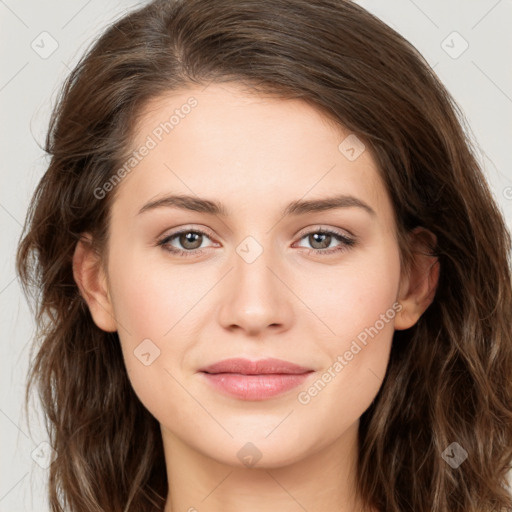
(262, 366)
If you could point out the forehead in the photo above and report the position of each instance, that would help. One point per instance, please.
(248, 150)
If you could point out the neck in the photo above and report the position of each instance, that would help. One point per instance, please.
(321, 480)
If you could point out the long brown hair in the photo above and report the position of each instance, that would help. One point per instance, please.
(449, 378)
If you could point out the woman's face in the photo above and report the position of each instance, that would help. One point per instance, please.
(256, 280)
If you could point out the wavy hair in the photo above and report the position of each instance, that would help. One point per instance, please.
(449, 376)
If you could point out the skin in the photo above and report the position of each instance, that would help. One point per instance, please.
(255, 154)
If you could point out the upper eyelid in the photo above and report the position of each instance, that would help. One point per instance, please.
(187, 229)
(322, 227)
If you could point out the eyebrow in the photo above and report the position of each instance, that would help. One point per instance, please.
(299, 207)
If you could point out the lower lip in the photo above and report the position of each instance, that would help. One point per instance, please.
(255, 387)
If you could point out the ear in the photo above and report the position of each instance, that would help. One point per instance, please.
(419, 285)
(92, 283)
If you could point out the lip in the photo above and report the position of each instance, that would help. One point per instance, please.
(263, 366)
(255, 380)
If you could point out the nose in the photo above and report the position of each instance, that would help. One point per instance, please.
(255, 297)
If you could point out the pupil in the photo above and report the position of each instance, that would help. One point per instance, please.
(188, 238)
(325, 237)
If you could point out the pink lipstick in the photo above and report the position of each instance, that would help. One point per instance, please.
(255, 380)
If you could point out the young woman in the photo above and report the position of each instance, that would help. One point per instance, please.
(270, 274)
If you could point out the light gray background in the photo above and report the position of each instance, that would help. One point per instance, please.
(479, 78)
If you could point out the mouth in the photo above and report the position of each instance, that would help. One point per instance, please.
(255, 380)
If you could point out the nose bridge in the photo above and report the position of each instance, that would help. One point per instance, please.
(255, 298)
(252, 264)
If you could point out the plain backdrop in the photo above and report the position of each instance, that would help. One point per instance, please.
(467, 42)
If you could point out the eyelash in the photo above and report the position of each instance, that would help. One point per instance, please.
(347, 243)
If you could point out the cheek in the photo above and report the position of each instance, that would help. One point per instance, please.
(149, 318)
(155, 308)
(149, 297)
(352, 296)
(358, 305)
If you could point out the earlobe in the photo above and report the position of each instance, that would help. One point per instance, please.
(418, 288)
(92, 283)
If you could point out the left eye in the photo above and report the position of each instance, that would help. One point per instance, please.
(323, 239)
(190, 240)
